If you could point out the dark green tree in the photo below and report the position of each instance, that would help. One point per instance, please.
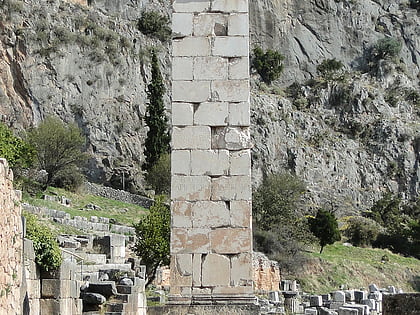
(153, 238)
(59, 148)
(159, 176)
(17, 152)
(268, 64)
(157, 141)
(325, 228)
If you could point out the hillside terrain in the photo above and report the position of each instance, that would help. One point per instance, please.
(350, 139)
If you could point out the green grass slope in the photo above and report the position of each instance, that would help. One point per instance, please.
(123, 213)
(356, 268)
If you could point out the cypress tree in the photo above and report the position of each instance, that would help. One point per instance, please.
(157, 141)
(325, 227)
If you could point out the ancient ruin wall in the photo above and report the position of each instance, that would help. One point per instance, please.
(10, 243)
(211, 238)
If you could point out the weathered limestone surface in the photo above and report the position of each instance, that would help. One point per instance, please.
(211, 237)
(408, 304)
(11, 243)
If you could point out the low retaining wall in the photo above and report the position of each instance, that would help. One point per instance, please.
(403, 304)
(116, 194)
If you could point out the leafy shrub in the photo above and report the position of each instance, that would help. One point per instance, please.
(281, 229)
(154, 24)
(47, 253)
(362, 231)
(17, 152)
(153, 237)
(59, 148)
(386, 48)
(275, 200)
(159, 176)
(328, 68)
(268, 64)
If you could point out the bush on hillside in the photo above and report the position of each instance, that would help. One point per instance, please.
(329, 68)
(154, 24)
(362, 231)
(268, 64)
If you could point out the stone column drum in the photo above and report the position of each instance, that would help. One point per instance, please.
(211, 237)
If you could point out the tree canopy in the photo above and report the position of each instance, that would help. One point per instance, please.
(16, 151)
(325, 227)
(59, 147)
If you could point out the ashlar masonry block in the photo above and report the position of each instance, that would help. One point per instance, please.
(238, 24)
(240, 213)
(238, 68)
(191, 137)
(231, 90)
(226, 46)
(231, 240)
(210, 68)
(212, 114)
(190, 188)
(190, 241)
(231, 138)
(182, 24)
(210, 214)
(191, 5)
(210, 24)
(239, 114)
(181, 162)
(181, 214)
(182, 114)
(240, 162)
(215, 270)
(209, 162)
(230, 5)
(231, 188)
(182, 68)
(191, 46)
(190, 91)
(241, 272)
(196, 265)
(181, 268)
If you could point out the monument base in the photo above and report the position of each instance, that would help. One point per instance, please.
(235, 309)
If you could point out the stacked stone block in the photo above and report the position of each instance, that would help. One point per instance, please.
(11, 243)
(211, 186)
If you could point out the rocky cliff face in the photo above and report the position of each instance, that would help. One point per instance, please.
(353, 138)
(350, 139)
(83, 63)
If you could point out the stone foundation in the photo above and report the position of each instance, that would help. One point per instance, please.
(200, 310)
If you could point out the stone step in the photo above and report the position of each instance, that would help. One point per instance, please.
(115, 307)
(124, 289)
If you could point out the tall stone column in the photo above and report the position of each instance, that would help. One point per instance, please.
(211, 237)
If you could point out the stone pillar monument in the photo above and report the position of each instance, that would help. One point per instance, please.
(211, 236)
